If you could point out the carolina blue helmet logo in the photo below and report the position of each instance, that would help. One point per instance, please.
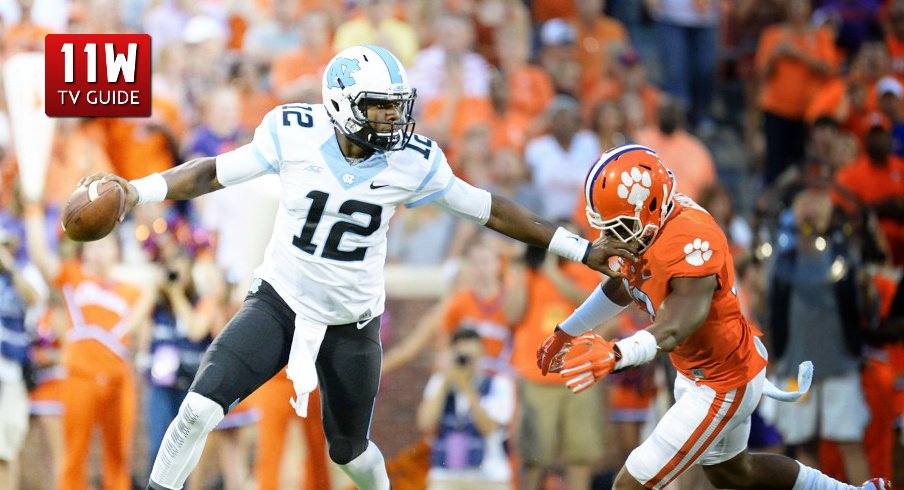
(340, 73)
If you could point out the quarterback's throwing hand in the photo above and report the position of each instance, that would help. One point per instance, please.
(552, 350)
(131, 192)
(590, 359)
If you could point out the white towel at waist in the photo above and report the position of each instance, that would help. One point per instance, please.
(301, 369)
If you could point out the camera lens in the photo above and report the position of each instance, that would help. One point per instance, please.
(172, 276)
(462, 359)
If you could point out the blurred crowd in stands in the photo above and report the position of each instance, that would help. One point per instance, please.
(783, 118)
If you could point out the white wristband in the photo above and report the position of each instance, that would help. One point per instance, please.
(152, 188)
(636, 349)
(568, 245)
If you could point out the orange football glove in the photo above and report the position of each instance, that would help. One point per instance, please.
(591, 359)
(551, 353)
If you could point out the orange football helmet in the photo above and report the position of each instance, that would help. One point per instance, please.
(629, 194)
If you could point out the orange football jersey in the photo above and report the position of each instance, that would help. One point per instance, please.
(97, 310)
(721, 354)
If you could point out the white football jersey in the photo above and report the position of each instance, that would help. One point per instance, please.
(328, 248)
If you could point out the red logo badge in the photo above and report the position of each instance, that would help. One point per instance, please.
(97, 75)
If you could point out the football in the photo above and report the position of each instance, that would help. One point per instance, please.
(92, 211)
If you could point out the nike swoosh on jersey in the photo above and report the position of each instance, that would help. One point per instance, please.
(372, 186)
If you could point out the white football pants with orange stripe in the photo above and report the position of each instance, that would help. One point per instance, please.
(703, 427)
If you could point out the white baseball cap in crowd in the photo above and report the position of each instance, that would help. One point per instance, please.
(889, 85)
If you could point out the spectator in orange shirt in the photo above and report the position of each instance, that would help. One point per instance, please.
(558, 56)
(845, 100)
(877, 180)
(510, 128)
(136, 146)
(599, 40)
(745, 26)
(75, 153)
(99, 389)
(556, 426)
(257, 100)
(528, 87)
(794, 59)
(296, 75)
(630, 87)
(482, 304)
(452, 113)
(691, 162)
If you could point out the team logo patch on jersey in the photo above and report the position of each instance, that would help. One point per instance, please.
(697, 252)
(635, 186)
(348, 179)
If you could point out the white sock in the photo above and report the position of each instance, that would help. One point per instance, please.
(368, 470)
(811, 479)
(184, 440)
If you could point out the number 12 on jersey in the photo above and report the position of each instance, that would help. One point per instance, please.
(304, 241)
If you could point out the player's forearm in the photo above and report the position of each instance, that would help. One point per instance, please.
(514, 221)
(192, 179)
(681, 314)
(603, 304)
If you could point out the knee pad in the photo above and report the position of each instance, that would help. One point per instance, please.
(184, 440)
(198, 412)
(344, 449)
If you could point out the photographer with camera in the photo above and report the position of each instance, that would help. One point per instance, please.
(467, 409)
(178, 336)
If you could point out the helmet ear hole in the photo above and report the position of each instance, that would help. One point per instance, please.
(335, 104)
(653, 205)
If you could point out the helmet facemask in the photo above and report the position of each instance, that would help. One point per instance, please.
(382, 135)
(627, 229)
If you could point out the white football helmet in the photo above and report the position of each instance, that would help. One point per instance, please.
(363, 75)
